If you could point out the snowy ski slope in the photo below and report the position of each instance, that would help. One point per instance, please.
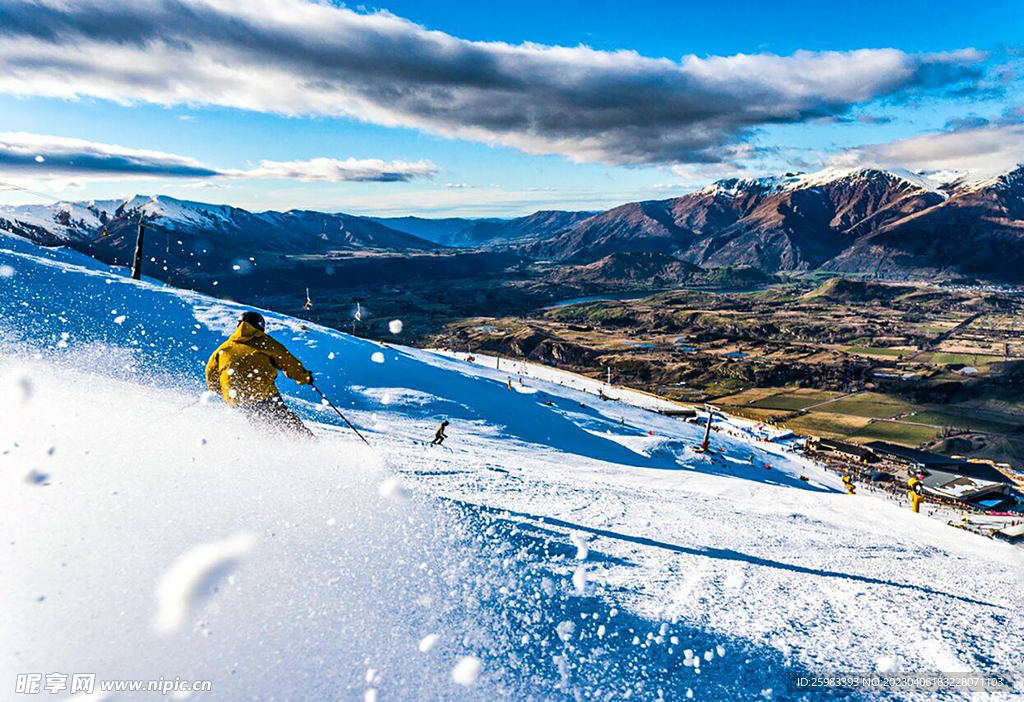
(565, 547)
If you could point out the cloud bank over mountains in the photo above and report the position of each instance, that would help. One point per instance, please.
(44, 156)
(980, 147)
(295, 57)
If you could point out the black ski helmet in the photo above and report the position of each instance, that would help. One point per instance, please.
(255, 319)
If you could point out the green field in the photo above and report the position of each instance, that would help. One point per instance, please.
(878, 351)
(941, 358)
(908, 434)
(793, 401)
(869, 404)
(748, 412)
(826, 424)
(949, 419)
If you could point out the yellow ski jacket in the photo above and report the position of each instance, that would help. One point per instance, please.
(243, 370)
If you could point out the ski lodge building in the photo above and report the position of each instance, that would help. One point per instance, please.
(979, 484)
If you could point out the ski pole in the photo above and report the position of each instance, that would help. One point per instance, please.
(331, 405)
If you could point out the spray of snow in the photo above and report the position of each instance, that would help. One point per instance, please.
(467, 670)
(391, 488)
(579, 579)
(885, 664)
(579, 540)
(377, 357)
(17, 388)
(192, 578)
(395, 326)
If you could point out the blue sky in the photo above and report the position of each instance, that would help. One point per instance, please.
(424, 145)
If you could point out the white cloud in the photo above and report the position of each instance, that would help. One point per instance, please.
(313, 58)
(44, 157)
(981, 151)
(329, 170)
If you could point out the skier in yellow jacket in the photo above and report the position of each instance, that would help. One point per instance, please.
(243, 370)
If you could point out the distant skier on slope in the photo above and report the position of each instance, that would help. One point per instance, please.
(243, 370)
(439, 435)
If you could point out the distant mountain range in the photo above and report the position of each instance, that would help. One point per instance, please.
(193, 237)
(887, 223)
(486, 232)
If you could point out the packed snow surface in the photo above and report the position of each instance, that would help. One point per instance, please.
(559, 545)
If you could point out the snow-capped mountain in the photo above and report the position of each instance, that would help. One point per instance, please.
(977, 230)
(841, 219)
(888, 222)
(195, 234)
(567, 546)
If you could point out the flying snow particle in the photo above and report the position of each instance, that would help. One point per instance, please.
(392, 489)
(207, 397)
(689, 693)
(734, 581)
(885, 664)
(39, 158)
(467, 670)
(377, 357)
(720, 650)
(708, 655)
(580, 542)
(428, 642)
(34, 477)
(372, 676)
(332, 521)
(579, 579)
(17, 388)
(565, 630)
(6, 271)
(395, 326)
(192, 576)
(370, 695)
(330, 356)
(119, 319)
